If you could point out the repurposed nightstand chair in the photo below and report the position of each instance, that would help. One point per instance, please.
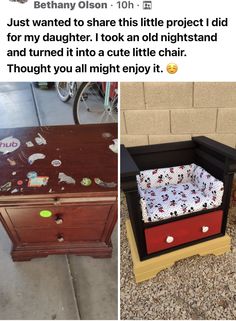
(178, 197)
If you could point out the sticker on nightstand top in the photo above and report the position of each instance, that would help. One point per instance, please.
(99, 182)
(32, 158)
(114, 147)
(38, 181)
(11, 161)
(5, 187)
(45, 213)
(9, 144)
(40, 140)
(106, 135)
(65, 178)
(56, 163)
(32, 174)
(29, 144)
(15, 190)
(86, 181)
(20, 182)
(13, 173)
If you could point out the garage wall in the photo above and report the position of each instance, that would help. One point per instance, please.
(166, 112)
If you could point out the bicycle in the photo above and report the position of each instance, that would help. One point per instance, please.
(66, 90)
(96, 102)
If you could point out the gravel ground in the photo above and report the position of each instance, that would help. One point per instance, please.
(195, 288)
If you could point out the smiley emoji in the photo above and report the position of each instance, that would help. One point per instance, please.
(172, 68)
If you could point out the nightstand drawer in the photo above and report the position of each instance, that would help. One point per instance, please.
(66, 216)
(61, 235)
(169, 235)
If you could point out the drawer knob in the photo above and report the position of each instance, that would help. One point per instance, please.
(60, 238)
(205, 229)
(57, 201)
(169, 239)
(58, 220)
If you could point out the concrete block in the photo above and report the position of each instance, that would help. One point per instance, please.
(227, 139)
(215, 94)
(122, 123)
(147, 122)
(226, 121)
(132, 95)
(134, 140)
(187, 121)
(161, 139)
(168, 95)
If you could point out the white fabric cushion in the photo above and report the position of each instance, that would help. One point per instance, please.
(160, 200)
(165, 176)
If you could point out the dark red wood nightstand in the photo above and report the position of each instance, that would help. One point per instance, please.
(45, 205)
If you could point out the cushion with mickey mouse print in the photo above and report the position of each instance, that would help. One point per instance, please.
(175, 191)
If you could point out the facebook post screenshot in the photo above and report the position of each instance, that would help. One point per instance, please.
(117, 160)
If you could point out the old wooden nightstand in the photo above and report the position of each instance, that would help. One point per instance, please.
(58, 189)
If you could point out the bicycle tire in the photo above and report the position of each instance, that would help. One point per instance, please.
(63, 93)
(90, 99)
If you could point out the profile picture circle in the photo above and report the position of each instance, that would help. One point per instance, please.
(20, 1)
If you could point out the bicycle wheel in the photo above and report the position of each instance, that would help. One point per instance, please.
(63, 90)
(89, 107)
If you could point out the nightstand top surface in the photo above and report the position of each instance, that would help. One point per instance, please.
(83, 152)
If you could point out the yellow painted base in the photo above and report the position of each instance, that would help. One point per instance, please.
(144, 270)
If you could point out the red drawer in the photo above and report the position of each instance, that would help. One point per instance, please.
(168, 235)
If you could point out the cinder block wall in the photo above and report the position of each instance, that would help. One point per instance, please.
(153, 113)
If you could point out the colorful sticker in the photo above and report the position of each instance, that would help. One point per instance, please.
(45, 213)
(99, 182)
(20, 182)
(11, 162)
(86, 181)
(32, 174)
(38, 181)
(32, 158)
(13, 173)
(114, 147)
(65, 178)
(56, 163)
(6, 187)
(40, 140)
(29, 144)
(106, 135)
(9, 144)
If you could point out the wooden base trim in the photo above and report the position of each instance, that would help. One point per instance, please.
(24, 254)
(145, 270)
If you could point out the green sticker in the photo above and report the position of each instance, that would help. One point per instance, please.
(45, 213)
(86, 181)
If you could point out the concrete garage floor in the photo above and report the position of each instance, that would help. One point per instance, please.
(197, 288)
(59, 286)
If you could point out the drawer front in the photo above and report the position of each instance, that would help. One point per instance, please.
(67, 216)
(59, 235)
(176, 233)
